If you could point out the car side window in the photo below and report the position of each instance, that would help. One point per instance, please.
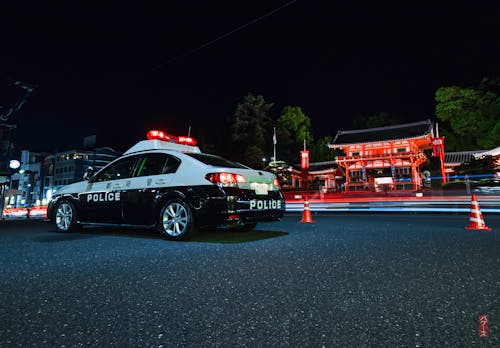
(172, 164)
(122, 169)
(156, 164)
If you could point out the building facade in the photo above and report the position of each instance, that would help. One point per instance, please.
(69, 166)
(384, 158)
(41, 174)
(328, 176)
(455, 159)
(26, 184)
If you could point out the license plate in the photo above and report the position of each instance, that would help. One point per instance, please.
(260, 189)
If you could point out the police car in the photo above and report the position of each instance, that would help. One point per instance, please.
(167, 183)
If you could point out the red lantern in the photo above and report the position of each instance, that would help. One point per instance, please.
(304, 160)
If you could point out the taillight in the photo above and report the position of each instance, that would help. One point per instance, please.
(225, 178)
(276, 182)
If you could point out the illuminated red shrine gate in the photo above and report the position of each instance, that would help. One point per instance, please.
(384, 158)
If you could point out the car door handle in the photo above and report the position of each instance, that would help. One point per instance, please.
(160, 181)
(117, 186)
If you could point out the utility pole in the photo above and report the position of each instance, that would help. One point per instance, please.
(275, 141)
(6, 151)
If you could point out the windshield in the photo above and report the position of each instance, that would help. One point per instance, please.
(216, 161)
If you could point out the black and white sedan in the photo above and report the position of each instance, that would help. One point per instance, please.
(165, 182)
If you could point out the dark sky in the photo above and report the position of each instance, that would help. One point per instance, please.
(95, 64)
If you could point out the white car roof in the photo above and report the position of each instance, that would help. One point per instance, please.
(155, 144)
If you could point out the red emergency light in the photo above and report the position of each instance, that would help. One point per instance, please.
(159, 135)
(186, 140)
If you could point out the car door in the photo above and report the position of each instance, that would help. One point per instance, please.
(154, 171)
(102, 200)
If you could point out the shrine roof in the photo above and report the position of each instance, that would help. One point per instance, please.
(456, 158)
(319, 166)
(397, 132)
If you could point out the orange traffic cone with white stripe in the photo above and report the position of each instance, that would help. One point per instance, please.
(306, 214)
(476, 221)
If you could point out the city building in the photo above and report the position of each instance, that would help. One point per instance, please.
(40, 174)
(69, 166)
(26, 184)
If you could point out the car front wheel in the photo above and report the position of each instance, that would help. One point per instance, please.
(176, 220)
(66, 217)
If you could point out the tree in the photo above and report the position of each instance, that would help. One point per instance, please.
(250, 129)
(293, 127)
(491, 84)
(252, 156)
(471, 114)
(320, 152)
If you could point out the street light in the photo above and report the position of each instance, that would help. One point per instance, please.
(264, 163)
(14, 164)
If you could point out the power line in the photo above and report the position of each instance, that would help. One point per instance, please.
(19, 83)
(28, 88)
(211, 42)
(7, 77)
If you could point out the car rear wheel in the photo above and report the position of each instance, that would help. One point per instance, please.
(66, 217)
(176, 220)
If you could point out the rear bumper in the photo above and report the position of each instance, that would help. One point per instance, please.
(240, 206)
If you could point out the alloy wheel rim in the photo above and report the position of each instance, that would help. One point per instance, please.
(64, 216)
(175, 219)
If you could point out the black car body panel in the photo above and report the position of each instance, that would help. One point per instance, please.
(212, 205)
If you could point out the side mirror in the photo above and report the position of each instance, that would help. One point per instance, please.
(89, 173)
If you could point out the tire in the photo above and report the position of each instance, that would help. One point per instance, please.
(66, 217)
(176, 220)
(243, 228)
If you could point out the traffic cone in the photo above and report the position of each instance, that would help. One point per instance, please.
(306, 214)
(476, 221)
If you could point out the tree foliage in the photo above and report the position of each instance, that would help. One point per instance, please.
(252, 134)
(252, 156)
(473, 115)
(250, 130)
(320, 152)
(293, 127)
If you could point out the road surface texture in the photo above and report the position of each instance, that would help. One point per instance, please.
(348, 280)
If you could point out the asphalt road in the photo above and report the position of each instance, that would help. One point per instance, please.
(349, 280)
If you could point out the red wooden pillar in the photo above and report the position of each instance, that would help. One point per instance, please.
(413, 173)
(346, 185)
(438, 151)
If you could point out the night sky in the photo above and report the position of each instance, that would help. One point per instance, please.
(120, 70)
